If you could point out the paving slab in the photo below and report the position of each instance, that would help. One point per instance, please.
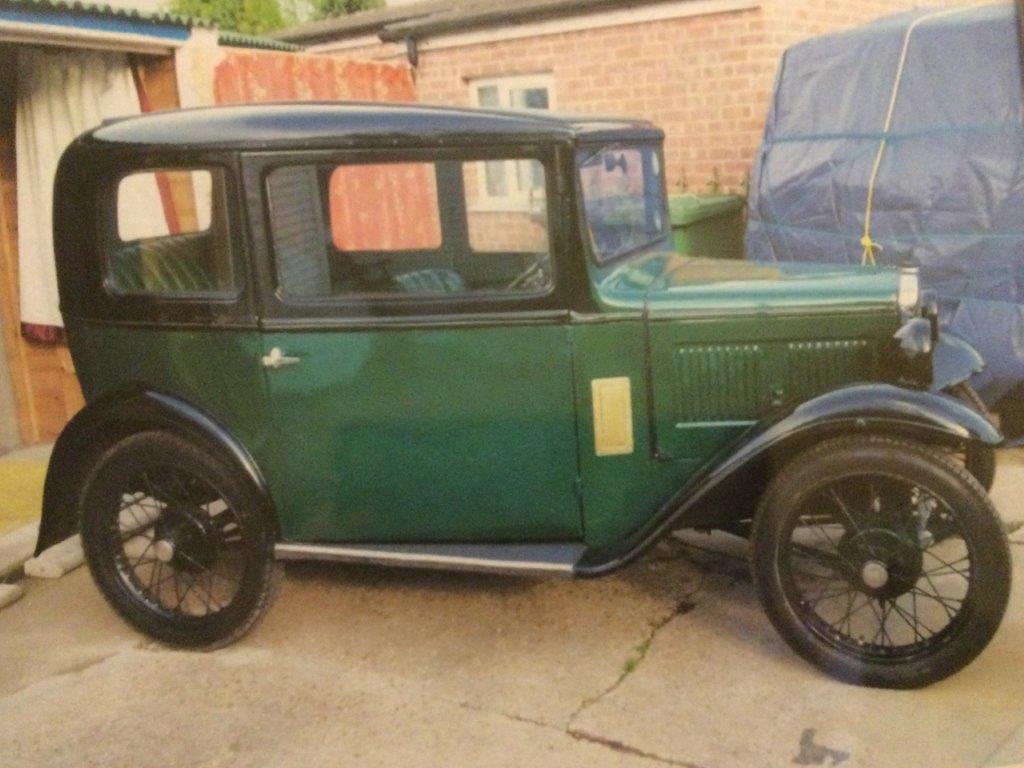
(10, 594)
(17, 546)
(243, 707)
(56, 561)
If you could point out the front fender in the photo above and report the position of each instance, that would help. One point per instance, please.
(865, 409)
(109, 419)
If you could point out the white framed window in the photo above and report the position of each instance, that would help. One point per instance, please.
(512, 184)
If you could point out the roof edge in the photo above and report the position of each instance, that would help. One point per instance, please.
(421, 20)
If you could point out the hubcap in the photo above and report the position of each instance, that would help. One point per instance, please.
(884, 563)
(164, 551)
(874, 574)
(186, 538)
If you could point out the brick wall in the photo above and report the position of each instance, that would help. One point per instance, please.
(706, 80)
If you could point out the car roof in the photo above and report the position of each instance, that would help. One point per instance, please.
(307, 124)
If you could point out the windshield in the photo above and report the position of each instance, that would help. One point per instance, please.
(624, 199)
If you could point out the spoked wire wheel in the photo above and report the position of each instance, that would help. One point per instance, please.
(883, 562)
(178, 541)
(178, 544)
(878, 567)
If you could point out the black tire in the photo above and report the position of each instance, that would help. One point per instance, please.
(883, 489)
(159, 512)
(980, 460)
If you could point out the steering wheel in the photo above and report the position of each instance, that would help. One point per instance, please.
(536, 268)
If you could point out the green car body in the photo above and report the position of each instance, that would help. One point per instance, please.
(643, 392)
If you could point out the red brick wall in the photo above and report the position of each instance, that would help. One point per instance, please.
(706, 80)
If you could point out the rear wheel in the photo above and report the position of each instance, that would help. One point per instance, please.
(178, 542)
(880, 561)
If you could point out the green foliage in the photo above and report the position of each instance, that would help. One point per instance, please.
(325, 9)
(254, 17)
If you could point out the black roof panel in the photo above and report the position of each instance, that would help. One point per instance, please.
(298, 124)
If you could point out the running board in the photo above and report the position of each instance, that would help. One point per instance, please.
(512, 559)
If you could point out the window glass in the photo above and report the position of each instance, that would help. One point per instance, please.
(523, 229)
(171, 234)
(506, 185)
(390, 207)
(624, 199)
(404, 230)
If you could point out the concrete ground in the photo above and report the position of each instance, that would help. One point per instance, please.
(669, 662)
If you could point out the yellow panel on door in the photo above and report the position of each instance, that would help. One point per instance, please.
(613, 416)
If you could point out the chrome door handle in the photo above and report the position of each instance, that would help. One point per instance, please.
(278, 359)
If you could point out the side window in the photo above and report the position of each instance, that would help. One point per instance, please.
(170, 235)
(402, 230)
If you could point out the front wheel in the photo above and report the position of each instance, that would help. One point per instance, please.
(177, 541)
(882, 562)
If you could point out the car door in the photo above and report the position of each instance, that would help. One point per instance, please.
(417, 352)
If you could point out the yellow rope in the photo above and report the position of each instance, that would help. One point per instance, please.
(869, 245)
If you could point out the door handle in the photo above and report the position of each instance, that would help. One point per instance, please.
(278, 359)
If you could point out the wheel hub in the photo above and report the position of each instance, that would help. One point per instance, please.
(874, 574)
(882, 563)
(186, 538)
(164, 550)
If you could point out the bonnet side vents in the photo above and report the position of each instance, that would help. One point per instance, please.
(720, 383)
(815, 367)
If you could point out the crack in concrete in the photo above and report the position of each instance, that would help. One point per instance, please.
(639, 653)
(580, 735)
(510, 716)
(626, 749)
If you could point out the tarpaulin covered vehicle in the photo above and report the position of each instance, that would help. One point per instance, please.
(339, 347)
(903, 141)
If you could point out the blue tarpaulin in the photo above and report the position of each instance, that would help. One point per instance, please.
(949, 186)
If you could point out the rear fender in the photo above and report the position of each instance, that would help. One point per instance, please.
(881, 409)
(106, 421)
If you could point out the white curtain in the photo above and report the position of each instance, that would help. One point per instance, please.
(60, 95)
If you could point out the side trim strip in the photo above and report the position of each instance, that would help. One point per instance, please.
(561, 562)
(404, 322)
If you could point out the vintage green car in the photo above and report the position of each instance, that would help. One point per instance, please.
(451, 338)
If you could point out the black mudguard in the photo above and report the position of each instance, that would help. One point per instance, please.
(881, 409)
(109, 419)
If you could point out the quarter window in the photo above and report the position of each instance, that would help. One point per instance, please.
(402, 230)
(170, 236)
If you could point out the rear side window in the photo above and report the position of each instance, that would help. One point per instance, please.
(170, 235)
(404, 230)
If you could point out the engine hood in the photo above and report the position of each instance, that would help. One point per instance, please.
(669, 282)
